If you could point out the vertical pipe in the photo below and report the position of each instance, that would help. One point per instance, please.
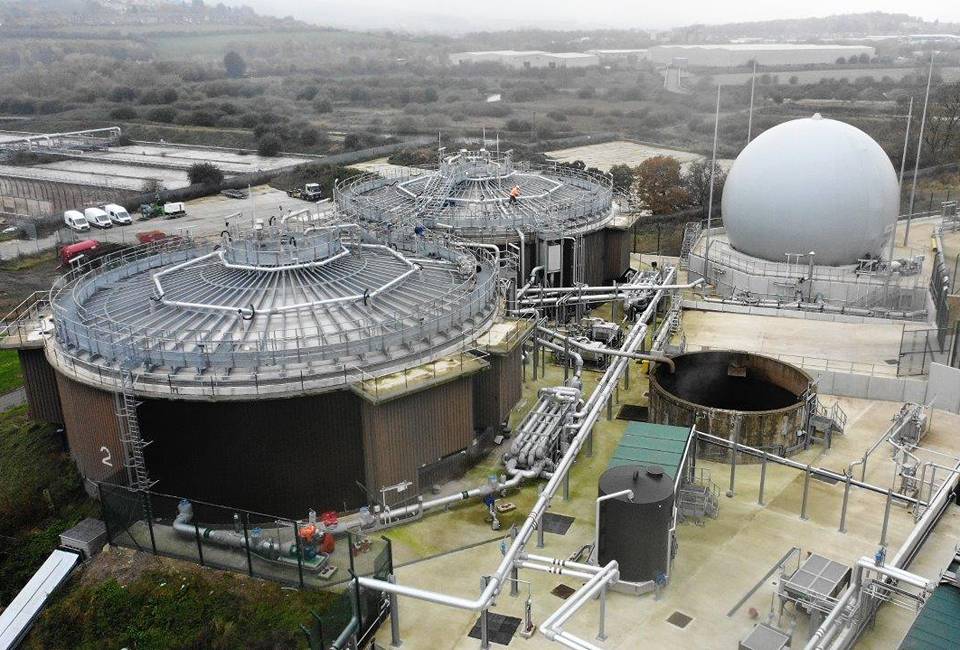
(566, 358)
(246, 543)
(484, 640)
(296, 540)
(514, 580)
(916, 166)
(763, 477)
(626, 375)
(886, 518)
(535, 359)
(395, 641)
(806, 491)
(566, 486)
(609, 408)
(903, 163)
(196, 531)
(601, 634)
(843, 508)
(590, 444)
(733, 457)
(540, 532)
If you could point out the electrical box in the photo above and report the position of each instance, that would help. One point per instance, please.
(554, 258)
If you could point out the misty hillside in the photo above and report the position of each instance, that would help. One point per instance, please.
(864, 24)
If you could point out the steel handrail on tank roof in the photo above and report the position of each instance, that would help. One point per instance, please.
(590, 211)
(473, 298)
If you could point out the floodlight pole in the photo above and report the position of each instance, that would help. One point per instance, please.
(916, 166)
(753, 84)
(713, 168)
(903, 162)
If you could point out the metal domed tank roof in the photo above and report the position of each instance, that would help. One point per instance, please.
(811, 184)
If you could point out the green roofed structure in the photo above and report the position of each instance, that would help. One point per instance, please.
(937, 627)
(645, 443)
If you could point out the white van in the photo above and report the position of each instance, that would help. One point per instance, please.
(75, 220)
(118, 214)
(98, 217)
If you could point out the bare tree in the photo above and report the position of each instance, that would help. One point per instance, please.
(942, 136)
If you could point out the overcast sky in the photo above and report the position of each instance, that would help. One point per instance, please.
(476, 15)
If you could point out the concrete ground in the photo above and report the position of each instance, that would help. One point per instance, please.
(717, 563)
(861, 347)
(204, 216)
(607, 154)
(382, 166)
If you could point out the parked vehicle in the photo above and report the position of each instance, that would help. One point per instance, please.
(77, 252)
(150, 236)
(150, 210)
(75, 220)
(98, 218)
(309, 192)
(235, 194)
(174, 210)
(118, 214)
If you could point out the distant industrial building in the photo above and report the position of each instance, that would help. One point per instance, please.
(726, 55)
(528, 59)
(621, 57)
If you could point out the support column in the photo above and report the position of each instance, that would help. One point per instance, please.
(843, 508)
(601, 635)
(763, 477)
(395, 641)
(484, 639)
(806, 490)
(886, 518)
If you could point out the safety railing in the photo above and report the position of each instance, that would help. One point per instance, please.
(84, 337)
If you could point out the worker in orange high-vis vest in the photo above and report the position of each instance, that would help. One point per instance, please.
(514, 194)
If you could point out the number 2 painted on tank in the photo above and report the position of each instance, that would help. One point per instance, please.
(107, 456)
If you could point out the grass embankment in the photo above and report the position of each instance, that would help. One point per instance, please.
(41, 495)
(176, 605)
(11, 376)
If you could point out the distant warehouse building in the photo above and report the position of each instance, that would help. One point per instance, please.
(740, 54)
(621, 57)
(528, 59)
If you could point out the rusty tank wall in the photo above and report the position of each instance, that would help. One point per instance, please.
(619, 243)
(40, 384)
(277, 456)
(704, 393)
(93, 431)
(497, 390)
(404, 434)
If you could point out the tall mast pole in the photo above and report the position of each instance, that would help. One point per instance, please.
(713, 169)
(753, 84)
(916, 166)
(903, 163)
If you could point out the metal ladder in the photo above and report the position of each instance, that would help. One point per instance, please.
(130, 437)
(691, 233)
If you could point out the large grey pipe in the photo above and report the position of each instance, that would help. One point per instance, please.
(643, 356)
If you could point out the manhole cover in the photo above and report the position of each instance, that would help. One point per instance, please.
(556, 524)
(633, 412)
(563, 591)
(500, 628)
(679, 619)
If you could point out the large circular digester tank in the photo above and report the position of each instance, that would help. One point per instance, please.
(811, 184)
(636, 532)
(759, 400)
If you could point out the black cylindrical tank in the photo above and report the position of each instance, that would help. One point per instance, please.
(636, 533)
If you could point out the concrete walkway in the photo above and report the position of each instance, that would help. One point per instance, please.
(12, 399)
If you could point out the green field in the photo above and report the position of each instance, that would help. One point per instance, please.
(10, 375)
(41, 495)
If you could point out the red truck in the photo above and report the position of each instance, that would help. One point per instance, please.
(75, 252)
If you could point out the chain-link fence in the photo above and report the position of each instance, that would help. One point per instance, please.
(298, 554)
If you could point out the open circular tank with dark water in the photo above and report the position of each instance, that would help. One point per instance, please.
(723, 391)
